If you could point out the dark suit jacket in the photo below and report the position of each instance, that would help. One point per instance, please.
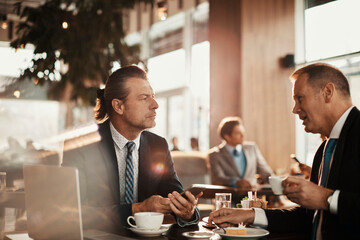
(99, 177)
(344, 176)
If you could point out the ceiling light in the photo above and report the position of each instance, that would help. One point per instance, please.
(162, 10)
(4, 24)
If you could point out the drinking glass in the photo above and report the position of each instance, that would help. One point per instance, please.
(222, 200)
(2, 181)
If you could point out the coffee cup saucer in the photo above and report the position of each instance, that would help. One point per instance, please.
(149, 232)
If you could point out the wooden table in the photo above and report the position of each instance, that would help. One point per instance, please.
(210, 191)
(17, 200)
(174, 232)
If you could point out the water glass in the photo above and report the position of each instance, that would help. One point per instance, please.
(222, 200)
(2, 181)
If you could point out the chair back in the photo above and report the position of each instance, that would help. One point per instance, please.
(191, 168)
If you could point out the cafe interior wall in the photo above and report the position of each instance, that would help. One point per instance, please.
(248, 40)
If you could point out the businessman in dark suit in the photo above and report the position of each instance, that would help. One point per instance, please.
(128, 170)
(329, 203)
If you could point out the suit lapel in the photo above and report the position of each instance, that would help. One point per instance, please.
(315, 172)
(229, 159)
(108, 152)
(144, 153)
(246, 149)
(339, 154)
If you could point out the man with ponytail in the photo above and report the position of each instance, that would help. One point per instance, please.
(125, 108)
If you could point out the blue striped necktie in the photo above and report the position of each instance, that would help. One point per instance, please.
(129, 174)
(325, 172)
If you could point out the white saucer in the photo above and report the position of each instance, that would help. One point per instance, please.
(149, 233)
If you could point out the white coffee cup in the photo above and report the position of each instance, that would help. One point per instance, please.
(276, 184)
(147, 220)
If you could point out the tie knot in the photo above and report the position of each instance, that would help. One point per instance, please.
(236, 152)
(130, 146)
(330, 145)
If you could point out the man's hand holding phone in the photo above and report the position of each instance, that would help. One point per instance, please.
(183, 205)
(195, 190)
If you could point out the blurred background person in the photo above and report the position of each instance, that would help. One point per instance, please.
(175, 143)
(234, 162)
(194, 143)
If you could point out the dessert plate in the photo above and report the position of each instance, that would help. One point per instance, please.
(198, 234)
(252, 233)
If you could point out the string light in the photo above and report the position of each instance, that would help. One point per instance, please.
(4, 24)
(17, 93)
(65, 25)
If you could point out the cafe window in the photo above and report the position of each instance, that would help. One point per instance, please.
(183, 106)
(331, 29)
(178, 69)
(167, 71)
(15, 60)
(329, 35)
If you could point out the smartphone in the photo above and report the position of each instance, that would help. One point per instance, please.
(195, 189)
(295, 158)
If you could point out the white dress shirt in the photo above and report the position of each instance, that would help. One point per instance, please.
(260, 216)
(121, 154)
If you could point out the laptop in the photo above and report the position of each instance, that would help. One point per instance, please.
(52, 197)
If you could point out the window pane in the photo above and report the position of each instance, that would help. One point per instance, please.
(167, 71)
(332, 29)
(177, 122)
(14, 61)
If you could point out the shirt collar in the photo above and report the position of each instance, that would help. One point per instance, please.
(120, 140)
(231, 148)
(335, 132)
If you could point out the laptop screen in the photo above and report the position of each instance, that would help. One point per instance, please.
(52, 198)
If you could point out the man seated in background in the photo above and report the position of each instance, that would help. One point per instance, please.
(175, 143)
(129, 170)
(235, 163)
(194, 144)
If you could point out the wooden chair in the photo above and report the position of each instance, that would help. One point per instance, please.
(191, 167)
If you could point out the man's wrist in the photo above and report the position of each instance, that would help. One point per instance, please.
(328, 198)
(135, 207)
(191, 218)
(251, 216)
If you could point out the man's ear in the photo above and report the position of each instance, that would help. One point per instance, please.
(328, 91)
(118, 106)
(226, 137)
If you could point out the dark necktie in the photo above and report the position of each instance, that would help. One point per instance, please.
(236, 152)
(129, 174)
(325, 172)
